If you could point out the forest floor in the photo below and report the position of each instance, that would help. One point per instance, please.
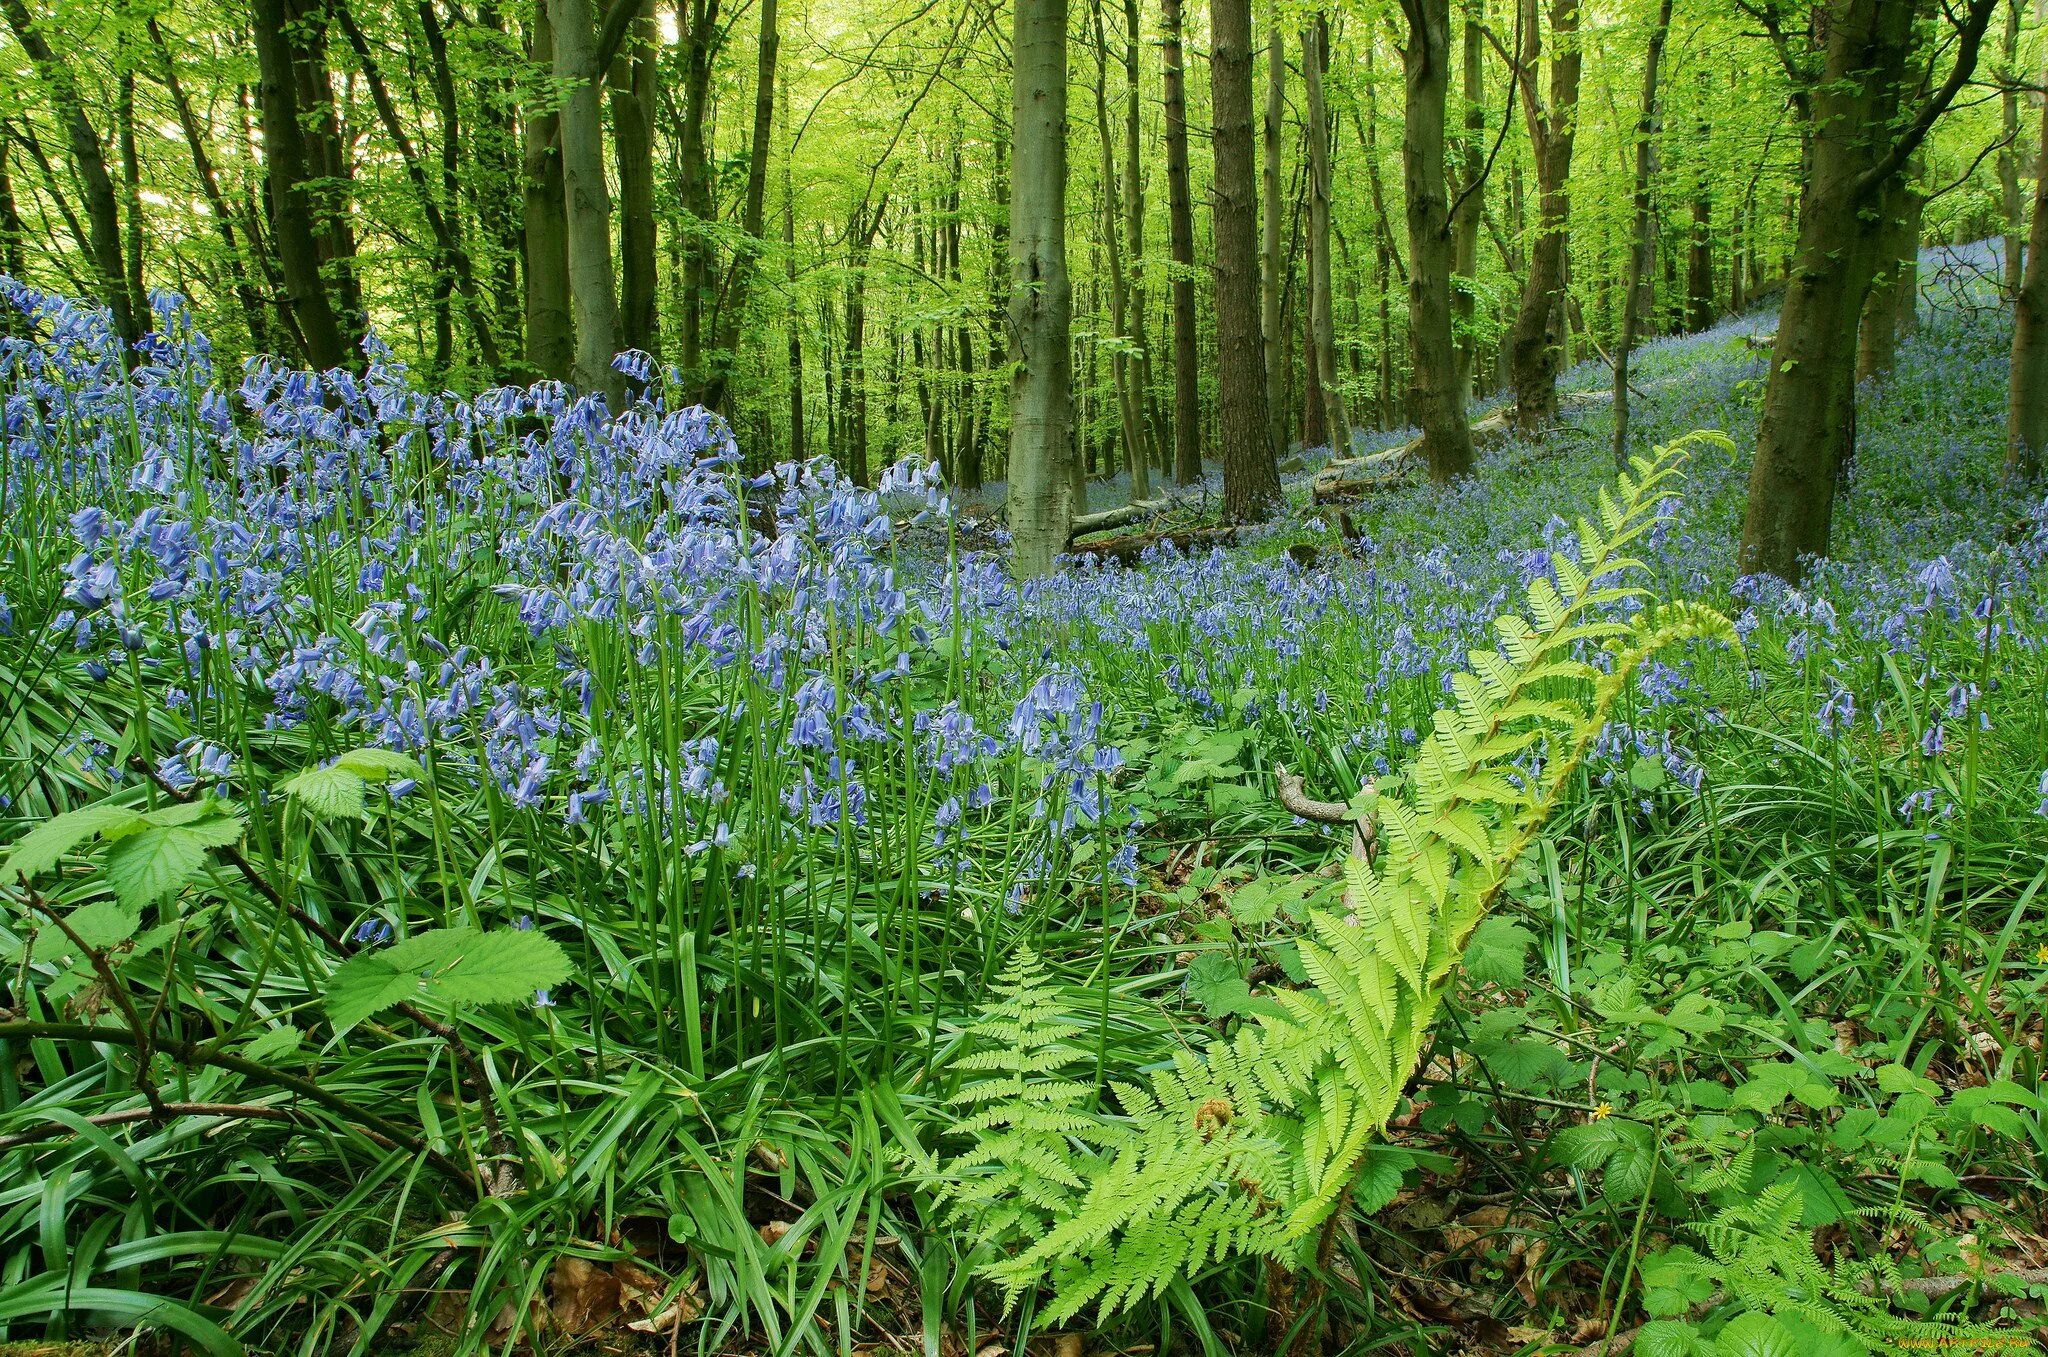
(1746, 1063)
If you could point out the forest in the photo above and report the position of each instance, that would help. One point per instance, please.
(1093, 678)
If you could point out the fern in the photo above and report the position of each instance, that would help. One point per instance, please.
(1250, 1147)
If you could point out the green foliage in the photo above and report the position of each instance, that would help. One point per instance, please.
(445, 966)
(336, 791)
(1251, 1146)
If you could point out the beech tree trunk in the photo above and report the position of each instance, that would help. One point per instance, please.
(1122, 368)
(634, 96)
(550, 332)
(311, 310)
(1041, 398)
(1895, 281)
(591, 296)
(1251, 473)
(1472, 203)
(1180, 209)
(1645, 229)
(1272, 275)
(1866, 131)
(725, 351)
(2026, 429)
(1134, 218)
(1433, 382)
(2009, 154)
(1535, 347)
(1315, 60)
(102, 206)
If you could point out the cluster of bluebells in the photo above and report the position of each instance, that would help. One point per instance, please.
(612, 621)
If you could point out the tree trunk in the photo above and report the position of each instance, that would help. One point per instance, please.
(1272, 275)
(2026, 430)
(1536, 354)
(725, 353)
(1041, 400)
(1134, 231)
(699, 42)
(1433, 384)
(1894, 281)
(1180, 211)
(1129, 411)
(1471, 204)
(1645, 228)
(102, 205)
(550, 333)
(635, 94)
(1315, 60)
(1867, 134)
(591, 293)
(311, 310)
(2009, 154)
(1251, 474)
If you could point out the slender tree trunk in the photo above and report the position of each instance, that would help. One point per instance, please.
(1180, 211)
(1433, 386)
(1472, 202)
(1895, 281)
(699, 45)
(725, 353)
(310, 308)
(449, 111)
(1041, 400)
(1644, 229)
(798, 452)
(244, 268)
(452, 260)
(1272, 273)
(592, 296)
(102, 205)
(550, 331)
(1134, 232)
(1806, 434)
(1128, 398)
(2010, 154)
(635, 94)
(131, 193)
(1251, 474)
(2026, 430)
(1535, 346)
(1315, 60)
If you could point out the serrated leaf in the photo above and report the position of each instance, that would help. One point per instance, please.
(156, 860)
(331, 793)
(1498, 953)
(367, 984)
(372, 764)
(99, 925)
(42, 847)
(1215, 983)
(505, 965)
(273, 1046)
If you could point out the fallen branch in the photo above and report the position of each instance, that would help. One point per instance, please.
(1128, 550)
(1136, 511)
(1297, 801)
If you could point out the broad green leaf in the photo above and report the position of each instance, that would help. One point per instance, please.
(331, 793)
(42, 847)
(505, 965)
(1215, 983)
(379, 765)
(99, 925)
(1755, 1335)
(367, 984)
(1498, 953)
(155, 861)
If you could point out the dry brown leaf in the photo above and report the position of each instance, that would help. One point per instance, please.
(582, 1295)
(1067, 1345)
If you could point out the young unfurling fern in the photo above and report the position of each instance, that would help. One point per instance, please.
(1250, 1146)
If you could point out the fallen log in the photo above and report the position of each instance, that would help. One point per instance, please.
(1126, 514)
(1128, 549)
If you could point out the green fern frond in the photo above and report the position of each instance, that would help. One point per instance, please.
(1250, 1146)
